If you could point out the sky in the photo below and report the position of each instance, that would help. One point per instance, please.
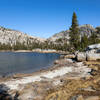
(43, 18)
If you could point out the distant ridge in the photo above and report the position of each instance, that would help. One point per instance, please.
(10, 36)
(84, 29)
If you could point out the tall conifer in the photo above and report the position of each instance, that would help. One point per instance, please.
(74, 33)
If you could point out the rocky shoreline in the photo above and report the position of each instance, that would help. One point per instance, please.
(51, 78)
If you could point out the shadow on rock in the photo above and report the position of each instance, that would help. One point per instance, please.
(4, 94)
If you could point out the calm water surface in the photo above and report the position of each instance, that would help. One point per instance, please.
(11, 63)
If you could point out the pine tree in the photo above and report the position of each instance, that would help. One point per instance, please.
(94, 38)
(98, 30)
(74, 33)
(84, 41)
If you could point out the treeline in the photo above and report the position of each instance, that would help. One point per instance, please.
(19, 46)
(31, 46)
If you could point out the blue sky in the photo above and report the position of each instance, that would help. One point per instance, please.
(43, 18)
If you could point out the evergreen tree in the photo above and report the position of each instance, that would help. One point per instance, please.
(74, 33)
(98, 30)
(93, 38)
(84, 41)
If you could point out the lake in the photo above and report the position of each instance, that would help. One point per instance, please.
(12, 63)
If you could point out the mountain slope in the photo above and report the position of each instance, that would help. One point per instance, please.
(84, 29)
(12, 39)
(8, 36)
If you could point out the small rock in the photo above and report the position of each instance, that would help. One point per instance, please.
(80, 97)
(77, 97)
(70, 56)
(56, 62)
(93, 72)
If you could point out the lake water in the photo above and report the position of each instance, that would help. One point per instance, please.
(11, 63)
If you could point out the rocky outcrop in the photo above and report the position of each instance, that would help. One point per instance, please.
(87, 56)
(92, 53)
(84, 29)
(61, 35)
(9, 36)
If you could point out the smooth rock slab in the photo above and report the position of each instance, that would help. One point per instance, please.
(93, 56)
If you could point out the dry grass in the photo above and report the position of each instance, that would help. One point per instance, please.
(76, 87)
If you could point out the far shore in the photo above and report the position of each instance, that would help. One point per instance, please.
(35, 50)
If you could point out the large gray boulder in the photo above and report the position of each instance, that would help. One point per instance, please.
(89, 56)
(93, 56)
(81, 56)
